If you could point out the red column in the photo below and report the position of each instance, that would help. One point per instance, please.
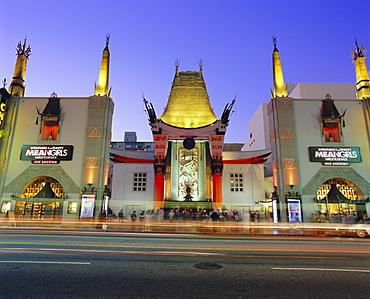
(159, 170)
(159, 191)
(217, 191)
(217, 167)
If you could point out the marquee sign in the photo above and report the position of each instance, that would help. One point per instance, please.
(2, 111)
(47, 154)
(335, 156)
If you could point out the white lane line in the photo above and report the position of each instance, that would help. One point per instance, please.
(46, 262)
(321, 269)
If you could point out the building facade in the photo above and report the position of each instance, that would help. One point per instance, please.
(54, 151)
(189, 168)
(320, 144)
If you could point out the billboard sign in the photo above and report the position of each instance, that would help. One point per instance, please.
(335, 156)
(3, 99)
(46, 154)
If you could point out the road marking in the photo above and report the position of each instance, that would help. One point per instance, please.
(46, 262)
(321, 269)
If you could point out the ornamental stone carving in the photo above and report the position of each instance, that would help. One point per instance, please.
(272, 136)
(20, 183)
(326, 173)
(92, 162)
(289, 163)
(97, 102)
(284, 104)
(270, 107)
(94, 132)
(286, 133)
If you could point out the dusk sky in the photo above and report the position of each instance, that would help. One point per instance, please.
(232, 37)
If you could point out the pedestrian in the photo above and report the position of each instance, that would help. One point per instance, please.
(148, 220)
(142, 219)
(120, 215)
(133, 219)
(214, 216)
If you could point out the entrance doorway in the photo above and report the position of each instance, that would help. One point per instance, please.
(338, 197)
(42, 199)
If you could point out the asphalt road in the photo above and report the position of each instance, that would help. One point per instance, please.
(114, 265)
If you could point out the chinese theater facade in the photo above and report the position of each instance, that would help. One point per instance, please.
(320, 144)
(54, 151)
(189, 168)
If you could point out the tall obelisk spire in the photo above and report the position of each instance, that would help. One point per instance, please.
(103, 82)
(278, 77)
(17, 86)
(362, 76)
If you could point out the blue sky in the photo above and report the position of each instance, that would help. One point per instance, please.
(232, 37)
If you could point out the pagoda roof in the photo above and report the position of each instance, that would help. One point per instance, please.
(334, 195)
(188, 104)
(46, 192)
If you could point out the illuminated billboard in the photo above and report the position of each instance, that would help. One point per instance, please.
(87, 205)
(338, 156)
(3, 100)
(294, 210)
(46, 154)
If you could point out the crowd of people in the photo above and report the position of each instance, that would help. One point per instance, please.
(345, 218)
(180, 215)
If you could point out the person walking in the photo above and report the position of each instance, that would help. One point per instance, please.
(133, 219)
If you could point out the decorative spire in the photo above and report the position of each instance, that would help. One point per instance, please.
(103, 82)
(17, 86)
(278, 77)
(362, 76)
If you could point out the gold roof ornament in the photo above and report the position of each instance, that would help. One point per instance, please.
(278, 77)
(362, 76)
(188, 104)
(102, 88)
(18, 83)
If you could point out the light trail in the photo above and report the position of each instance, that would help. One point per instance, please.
(287, 249)
(321, 269)
(47, 262)
(169, 253)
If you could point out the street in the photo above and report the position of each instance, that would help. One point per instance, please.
(46, 264)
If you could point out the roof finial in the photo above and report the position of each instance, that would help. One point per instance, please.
(177, 64)
(200, 64)
(107, 39)
(359, 51)
(274, 40)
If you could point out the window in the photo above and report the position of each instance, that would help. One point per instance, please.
(236, 182)
(139, 181)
